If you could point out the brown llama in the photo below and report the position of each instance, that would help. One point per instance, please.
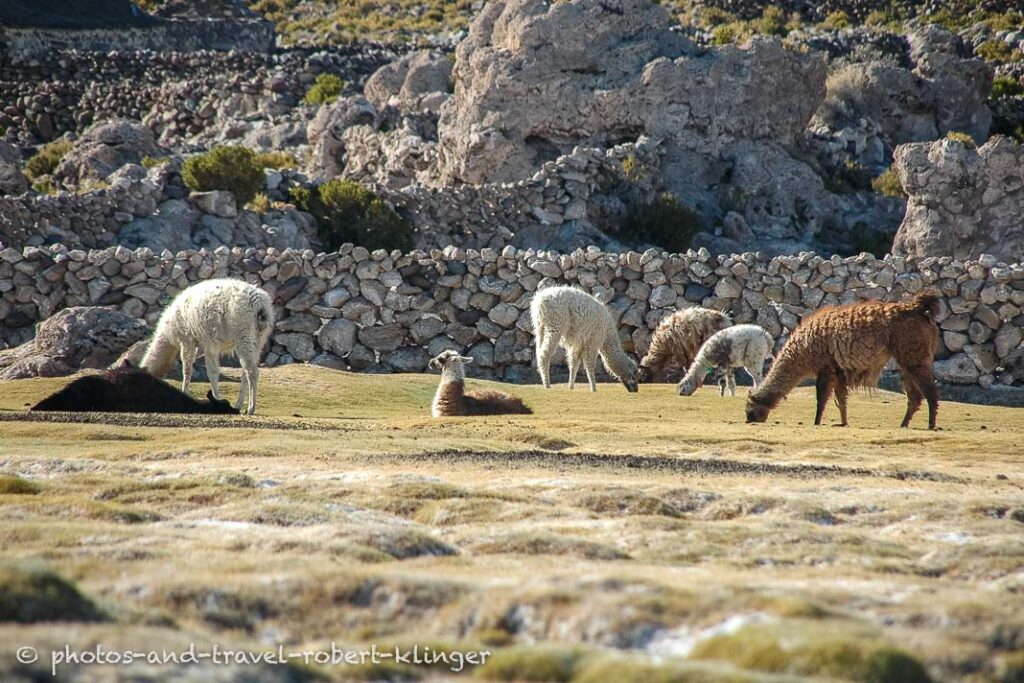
(452, 400)
(127, 389)
(845, 347)
(675, 343)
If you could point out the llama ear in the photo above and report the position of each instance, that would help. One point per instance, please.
(466, 359)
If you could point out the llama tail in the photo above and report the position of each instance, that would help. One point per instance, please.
(160, 355)
(925, 303)
(264, 309)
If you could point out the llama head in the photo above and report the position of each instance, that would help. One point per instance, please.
(757, 411)
(450, 363)
(632, 379)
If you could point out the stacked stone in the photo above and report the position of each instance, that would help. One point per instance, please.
(562, 206)
(45, 97)
(390, 312)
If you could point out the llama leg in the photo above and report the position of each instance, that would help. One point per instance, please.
(755, 374)
(590, 364)
(188, 359)
(914, 398)
(922, 377)
(545, 349)
(573, 360)
(248, 358)
(213, 370)
(824, 390)
(842, 391)
(730, 378)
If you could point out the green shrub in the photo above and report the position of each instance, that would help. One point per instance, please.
(543, 664)
(888, 184)
(775, 22)
(47, 159)
(260, 203)
(345, 211)
(153, 162)
(1007, 21)
(665, 221)
(325, 89)
(863, 239)
(44, 185)
(1006, 86)
(836, 20)
(235, 169)
(727, 34)
(276, 160)
(961, 137)
(715, 16)
(14, 485)
(997, 51)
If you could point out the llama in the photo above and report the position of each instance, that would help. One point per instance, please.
(848, 346)
(452, 400)
(127, 389)
(678, 338)
(745, 346)
(217, 316)
(581, 324)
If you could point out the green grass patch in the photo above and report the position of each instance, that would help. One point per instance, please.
(29, 596)
(12, 484)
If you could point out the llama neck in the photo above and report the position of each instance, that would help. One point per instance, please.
(453, 372)
(788, 371)
(615, 357)
(450, 397)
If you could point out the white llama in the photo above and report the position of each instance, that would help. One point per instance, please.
(218, 316)
(745, 346)
(582, 325)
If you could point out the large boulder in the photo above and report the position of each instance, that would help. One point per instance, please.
(871, 107)
(326, 131)
(418, 80)
(170, 227)
(73, 339)
(535, 79)
(103, 148)
(962, 202)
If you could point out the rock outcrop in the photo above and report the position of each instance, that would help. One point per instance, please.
(74, 338)
(534, 79)
(871, 107)
(104, 148)
(417, 82)
(963, 202)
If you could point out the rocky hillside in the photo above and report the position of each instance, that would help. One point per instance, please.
(733, 126)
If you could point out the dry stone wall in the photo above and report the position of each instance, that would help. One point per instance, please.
(390, 312)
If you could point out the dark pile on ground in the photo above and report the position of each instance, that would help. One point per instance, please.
(72, 13)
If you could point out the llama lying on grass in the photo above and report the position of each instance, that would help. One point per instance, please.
(581, 324)
(451, 398)
(848, 346)
(127, 389)
(676, 341)
(217, 316)
(742, 346)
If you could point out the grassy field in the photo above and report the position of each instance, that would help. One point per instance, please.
(607, 537)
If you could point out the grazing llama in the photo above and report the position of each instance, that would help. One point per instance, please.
(581, 324)
(848, 346)
(451, 398)
(745, 346)
(127, 389)
(217, 316)
(676, 341)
